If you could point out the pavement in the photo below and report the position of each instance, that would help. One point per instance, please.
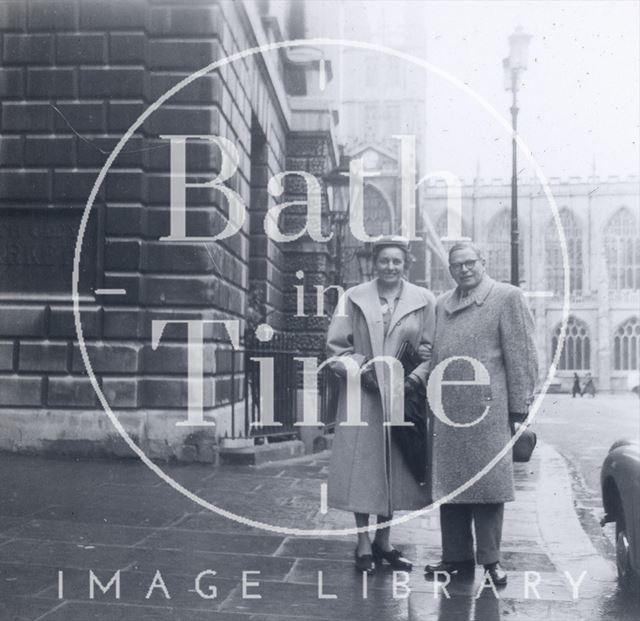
(75, 519)
(582, 430)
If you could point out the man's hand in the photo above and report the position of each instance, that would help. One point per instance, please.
(517, 417)
(424, 351)
(515, 420)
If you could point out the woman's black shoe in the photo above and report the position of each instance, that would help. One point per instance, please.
(458, 569)
(496, 573)
(364, 563)
(393, 557)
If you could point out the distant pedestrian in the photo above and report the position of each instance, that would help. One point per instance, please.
(576, 390)
(589, 386)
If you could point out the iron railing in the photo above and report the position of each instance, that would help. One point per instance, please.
(287, 376)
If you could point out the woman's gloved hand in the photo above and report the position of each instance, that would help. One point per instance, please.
(369, 380)
(413, 383)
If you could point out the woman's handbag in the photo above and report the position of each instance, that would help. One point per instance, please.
(524, 445)
(412, 440)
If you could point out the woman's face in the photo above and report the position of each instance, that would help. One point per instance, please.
(389, 265)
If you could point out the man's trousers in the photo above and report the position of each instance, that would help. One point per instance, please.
(457, 538)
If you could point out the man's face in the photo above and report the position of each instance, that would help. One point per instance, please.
(466, 268)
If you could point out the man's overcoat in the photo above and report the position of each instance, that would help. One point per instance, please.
(492, 324)
(367, 473)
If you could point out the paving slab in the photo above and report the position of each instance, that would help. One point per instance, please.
(41, 554)
(79, 532)
(20, 505)
(95, 611)
(489, 609)
(106, 516)
(317, 548)
(247, 483)
(16, 608)
(229, 543)
(229, 566)
(125, 513)
(9, 522)
(303, 601)
(146, 589)
(24, 580)
(213, 522)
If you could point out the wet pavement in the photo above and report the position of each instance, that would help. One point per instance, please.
(61, 517)
(582, 430)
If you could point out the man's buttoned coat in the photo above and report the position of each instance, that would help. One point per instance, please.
(367, 473)
(492, 324)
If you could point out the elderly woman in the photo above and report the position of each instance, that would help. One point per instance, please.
(367, 474)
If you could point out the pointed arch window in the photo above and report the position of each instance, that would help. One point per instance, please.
(626, 346)
(622, 251)
(499, 248)
(576, 353)
(379, 219)
(553, 254)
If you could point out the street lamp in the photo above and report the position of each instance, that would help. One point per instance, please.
(514, 65)
(337, 182)
(365, 262)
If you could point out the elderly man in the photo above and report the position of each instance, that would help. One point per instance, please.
(484, 337)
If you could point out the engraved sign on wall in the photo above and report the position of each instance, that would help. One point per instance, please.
(36, 251)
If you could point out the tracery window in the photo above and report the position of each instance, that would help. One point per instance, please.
(576, 352)
(622, 251)
(626, 346)
(553, 254)
(498, 249)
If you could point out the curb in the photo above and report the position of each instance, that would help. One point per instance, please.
(567, 544)
(261, 454)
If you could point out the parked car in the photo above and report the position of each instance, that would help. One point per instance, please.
(620, 480)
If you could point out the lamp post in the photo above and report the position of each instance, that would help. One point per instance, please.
(514, 65)
(337, 182)
(365, 262)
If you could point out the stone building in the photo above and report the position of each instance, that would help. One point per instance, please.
(380, 97)
(75, 76)
(601, 223)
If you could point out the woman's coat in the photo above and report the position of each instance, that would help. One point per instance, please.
(367, 473)
(493, 325)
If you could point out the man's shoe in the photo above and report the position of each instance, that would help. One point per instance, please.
(457, 569)
(496, 573)
(364, 563)
(393, 557)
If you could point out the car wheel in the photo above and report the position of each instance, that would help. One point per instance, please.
(626, 575)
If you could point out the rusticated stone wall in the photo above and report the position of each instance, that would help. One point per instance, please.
(75, 75)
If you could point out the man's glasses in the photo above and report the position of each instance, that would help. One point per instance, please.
(467, 265)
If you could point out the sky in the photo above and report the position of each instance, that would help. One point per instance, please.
(580, 100)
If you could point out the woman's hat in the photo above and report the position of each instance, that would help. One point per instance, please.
(397, 241)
